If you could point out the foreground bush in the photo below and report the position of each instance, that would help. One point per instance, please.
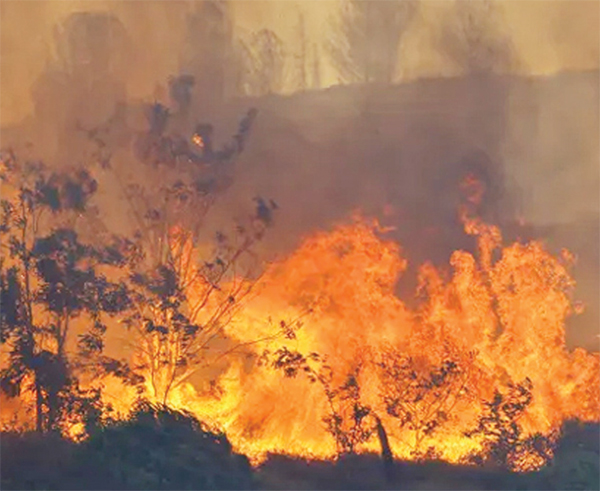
(155, 448)
(158, 448)
(576, 463)
(34, 461)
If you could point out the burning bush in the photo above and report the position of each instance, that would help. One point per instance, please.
(427, 373)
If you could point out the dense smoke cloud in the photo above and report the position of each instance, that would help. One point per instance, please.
(86, 80)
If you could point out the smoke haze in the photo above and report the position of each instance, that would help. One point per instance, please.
(548, 37)
(471, 86)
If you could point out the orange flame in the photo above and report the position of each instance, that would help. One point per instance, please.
(198, 140)
(506, 307)
(500, 315)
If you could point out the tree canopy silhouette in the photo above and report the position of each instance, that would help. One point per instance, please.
(49, 280)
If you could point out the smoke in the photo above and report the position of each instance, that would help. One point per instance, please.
(548, 36)
(75, 91)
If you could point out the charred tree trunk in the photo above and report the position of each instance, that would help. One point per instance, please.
(53, 411)
(386, 452)
(38, 405)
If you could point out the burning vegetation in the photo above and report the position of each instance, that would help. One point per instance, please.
(156, 354)
(479, 368)
(312, 355)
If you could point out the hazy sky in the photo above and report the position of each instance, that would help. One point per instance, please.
(549, 36)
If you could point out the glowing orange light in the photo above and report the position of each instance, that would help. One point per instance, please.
(198, 141)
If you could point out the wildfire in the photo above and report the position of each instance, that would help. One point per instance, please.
(491, 319)
(500, 317)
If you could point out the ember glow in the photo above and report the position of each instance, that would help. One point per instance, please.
(198, 141)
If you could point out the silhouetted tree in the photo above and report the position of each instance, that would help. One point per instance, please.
(367, 38)
(180, 91)
(83, 85)
(503, 442)
(315, 81)
(185, 177)
(350, 422)
(182, 303)
(263, 60)
(49, 278)
(208, 53)
(166, 149)
(421, 395)
(301, 58)
(473, 39)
